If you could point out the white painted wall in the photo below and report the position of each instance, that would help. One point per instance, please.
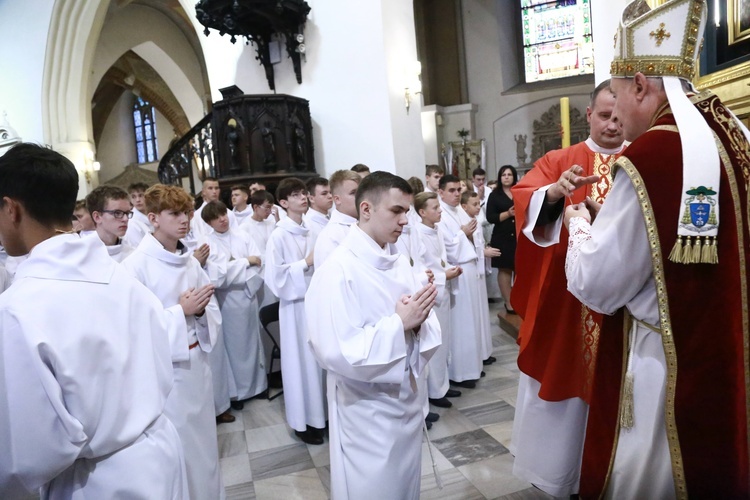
(605, 17)
(24, 27)
(490, 64)
(160, 43)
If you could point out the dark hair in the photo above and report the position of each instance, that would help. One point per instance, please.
(97, 199)
(42, 180)
(377, 183)
(421, 199)
(467, 195)
(416, 184)
(288, 186)
(241, 187)
(432, 169)
(447, 179)
(260, 197)
(602, 86)
(138, 186)
(313, 183)
(213, 210)
(360, 167)
(212, 179)
(500, 174)
(478, 171)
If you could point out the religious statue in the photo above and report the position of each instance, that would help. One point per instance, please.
(520, 149)
(269, 146)
(300, 146)
(233, 138)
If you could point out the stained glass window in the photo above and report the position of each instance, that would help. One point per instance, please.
(145, 131)
(557, 39)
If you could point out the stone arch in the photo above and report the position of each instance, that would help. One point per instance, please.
(75, 29)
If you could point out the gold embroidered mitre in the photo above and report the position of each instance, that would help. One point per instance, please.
(665, 41)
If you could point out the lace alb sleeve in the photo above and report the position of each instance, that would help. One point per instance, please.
(580, 233)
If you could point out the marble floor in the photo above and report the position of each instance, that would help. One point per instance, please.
(261, 458)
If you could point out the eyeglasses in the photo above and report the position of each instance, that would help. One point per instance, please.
(119, 214)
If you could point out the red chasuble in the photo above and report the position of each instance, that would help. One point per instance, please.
(558, 336)
(703, 311)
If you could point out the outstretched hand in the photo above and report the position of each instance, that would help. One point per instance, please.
(569, 181)
(414, 309)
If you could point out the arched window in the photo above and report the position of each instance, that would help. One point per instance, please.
(145, 131)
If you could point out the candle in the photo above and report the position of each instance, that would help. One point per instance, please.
(565, 121)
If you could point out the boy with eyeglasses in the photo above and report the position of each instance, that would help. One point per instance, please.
(111, 210)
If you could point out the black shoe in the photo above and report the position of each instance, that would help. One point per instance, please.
(315, 431)
(489, 360)
(453, 393)
(467, 384)
(428, 425)
(441, 403)
(510, 311)
(309, 437)
(483, 374)
(432, 417)
(237, 405)
(225, 418)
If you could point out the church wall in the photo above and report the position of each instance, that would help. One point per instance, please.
(354, 88)
(156, 39)
(22, 65)
(116, 147)
(492, 71)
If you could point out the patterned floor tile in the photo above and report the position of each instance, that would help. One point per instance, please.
(302, 485)
(494, 477)
(469, 447)
(455, 487)
(244, 491)
(232, 444)
(490, 413)
(236, 470)
(280, 461)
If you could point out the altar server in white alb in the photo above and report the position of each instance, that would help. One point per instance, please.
(435, 258)
(241, 207)
(111, 210)
(163, 263)
(320, 202)
(372, 327)
(344, 184)
(472, 211)
(234, 266)
(465, 341)
(139, 226)
(83, 394)
(289, 267)
(259, 227)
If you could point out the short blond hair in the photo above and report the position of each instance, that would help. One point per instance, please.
(338, 178)
(161, 197)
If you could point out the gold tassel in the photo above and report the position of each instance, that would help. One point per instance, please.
(706, 252)
(696, 258)
(687, 251)
(627, 415)
(714, 252)
(676, 252)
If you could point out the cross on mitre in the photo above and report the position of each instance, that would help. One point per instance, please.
(660, 34)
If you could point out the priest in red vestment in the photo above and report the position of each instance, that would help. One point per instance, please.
(670, 248)
(558, 336)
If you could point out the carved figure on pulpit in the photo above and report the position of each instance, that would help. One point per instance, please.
(269, 147)
(300, 146)
(233, 139)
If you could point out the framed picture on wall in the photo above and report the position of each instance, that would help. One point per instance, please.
(738, 21)
(728, 44)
